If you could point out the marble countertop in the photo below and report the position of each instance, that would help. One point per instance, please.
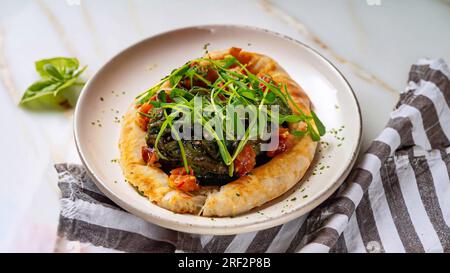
(372, 42)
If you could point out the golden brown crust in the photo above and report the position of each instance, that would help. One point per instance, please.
(264, 184)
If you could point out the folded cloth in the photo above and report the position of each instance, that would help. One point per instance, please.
(397, 199)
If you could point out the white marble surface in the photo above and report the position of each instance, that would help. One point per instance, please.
(372, 42)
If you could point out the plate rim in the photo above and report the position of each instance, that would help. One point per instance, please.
(219, 230)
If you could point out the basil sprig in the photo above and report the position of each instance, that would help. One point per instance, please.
(58, 87)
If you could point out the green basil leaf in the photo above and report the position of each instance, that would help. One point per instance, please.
(248, 95)
(53, 72)
(65, 66)
(79, 72)
(49, 99)
(298, 133)
(65, 85)
(43, 85)
(290, 118)
(314, 135)
(270, 98)
(320, 127)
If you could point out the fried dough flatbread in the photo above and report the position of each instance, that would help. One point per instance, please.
(265, 182)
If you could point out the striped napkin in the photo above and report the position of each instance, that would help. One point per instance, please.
(396, 200)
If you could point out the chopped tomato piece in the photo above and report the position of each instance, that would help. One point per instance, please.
(235, 51)
(180, 179)
(267, 79)
(242, 57)
(187, 83)
(167, 98)
(245, 161)
(264, 88)
(211, 75)
(145, 108)
(142, 120)
(182, 171)
(284, 142)
(149, 155)
(154, 98)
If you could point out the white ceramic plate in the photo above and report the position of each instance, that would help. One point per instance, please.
(110, 92)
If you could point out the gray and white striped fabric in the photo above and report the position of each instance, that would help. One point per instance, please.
(397, 199)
